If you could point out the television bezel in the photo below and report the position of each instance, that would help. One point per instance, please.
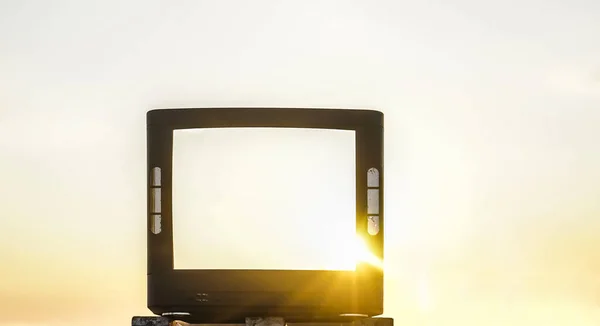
(231, 295)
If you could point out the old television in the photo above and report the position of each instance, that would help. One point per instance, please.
(245, 268)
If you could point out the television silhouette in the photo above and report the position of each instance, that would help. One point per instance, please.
(231, 295)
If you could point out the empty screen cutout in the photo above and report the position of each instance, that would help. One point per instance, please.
(264, 198)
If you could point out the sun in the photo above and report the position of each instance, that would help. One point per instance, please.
(364, 255)
(355, 251)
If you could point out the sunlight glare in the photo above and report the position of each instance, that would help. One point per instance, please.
(357, 252)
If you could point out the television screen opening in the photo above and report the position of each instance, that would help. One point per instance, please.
(264, 198)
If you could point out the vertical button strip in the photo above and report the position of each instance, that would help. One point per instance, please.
(156, 202)
(373, 201)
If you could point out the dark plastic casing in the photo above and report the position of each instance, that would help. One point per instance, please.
(229, 296)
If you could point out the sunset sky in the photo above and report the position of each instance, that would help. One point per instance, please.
(492, 113)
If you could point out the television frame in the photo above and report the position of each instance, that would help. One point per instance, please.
(229, 296)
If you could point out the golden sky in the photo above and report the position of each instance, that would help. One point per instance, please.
(492, 157)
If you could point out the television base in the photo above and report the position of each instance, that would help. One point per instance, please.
(171, 320)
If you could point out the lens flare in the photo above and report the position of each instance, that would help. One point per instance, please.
(357, 252)
(364, 255)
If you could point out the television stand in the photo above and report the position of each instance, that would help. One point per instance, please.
(262, 321)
